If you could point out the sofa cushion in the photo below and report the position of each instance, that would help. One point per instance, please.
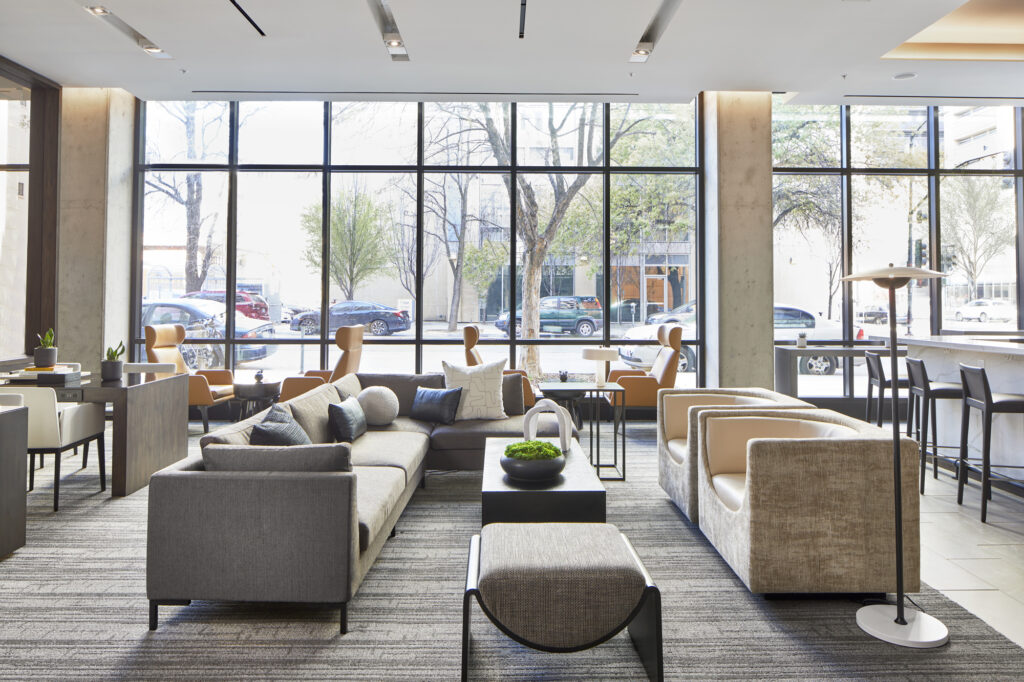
(313, 457)
(348, 385)
(310, 410)
(378, 490)
(731, 488)
(512, 394)
(437, 405)
(405, 424)
(678, 450)
(402, 450)
(469, 434)
(481, 389)
(404, 386)
(239, 432)
(380, 405)
(346, 420)
(278, 428)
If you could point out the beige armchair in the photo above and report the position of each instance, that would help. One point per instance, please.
(350, 341)
(470, 335)
(206, 387)
(677, 433)
(641, 388)
(56, 427)
(801, 501)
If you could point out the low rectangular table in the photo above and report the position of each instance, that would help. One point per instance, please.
(577, 495)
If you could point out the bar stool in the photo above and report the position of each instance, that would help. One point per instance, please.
(978, 394)
(925, 392)
(876, 377)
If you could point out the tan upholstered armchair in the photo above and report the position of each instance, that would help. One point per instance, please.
(677, 433)
(350, 341)
(802, 500)
(470, 335)
(642, 387)
(206, 387)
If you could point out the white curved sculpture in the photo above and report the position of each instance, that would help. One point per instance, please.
(564, 421)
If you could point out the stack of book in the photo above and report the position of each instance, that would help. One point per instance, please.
(60, 375)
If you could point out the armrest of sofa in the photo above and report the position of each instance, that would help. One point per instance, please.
(251, 536)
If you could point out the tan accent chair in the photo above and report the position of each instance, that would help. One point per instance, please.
(350, 341)
(801, 501)
(677, 433)
(56, 427)
(642, 387)
(470, 335)
(293, 387)
(206, 387)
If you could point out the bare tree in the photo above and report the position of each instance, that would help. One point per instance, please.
(977, 225)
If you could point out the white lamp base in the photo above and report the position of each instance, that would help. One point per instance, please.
(600, 377)
(921, 631)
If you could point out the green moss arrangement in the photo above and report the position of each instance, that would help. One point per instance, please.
(532, 449)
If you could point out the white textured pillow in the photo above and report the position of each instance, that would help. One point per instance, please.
(380, 404)
(481, 389)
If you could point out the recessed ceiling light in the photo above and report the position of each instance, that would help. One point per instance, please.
(394, 43)
(152, 49)
(641, 52)
(905, 76)
(97, 11)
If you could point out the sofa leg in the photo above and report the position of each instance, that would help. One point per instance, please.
(32, 470)
(393, 528)
(423, 480)
(343, 620)
(152, 614)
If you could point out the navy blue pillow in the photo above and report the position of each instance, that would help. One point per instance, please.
(278, 428)
(346, 420)
(437, 405)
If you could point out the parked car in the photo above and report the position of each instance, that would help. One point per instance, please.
(249, 304)
(879, 314)
(380, 320)
(789, 322)
(985, 309)
(674, 316)
(580, 315)
(205, 319)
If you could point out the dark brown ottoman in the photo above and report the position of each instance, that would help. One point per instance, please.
(562, 587)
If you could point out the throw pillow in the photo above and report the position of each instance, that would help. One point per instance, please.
(380, 405)
(481, 389)
(348, 385)
(512, 394)
(278, 428)
(346, 420)
(313, 457)
(436, 405)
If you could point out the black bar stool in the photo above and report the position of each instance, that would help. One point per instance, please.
(978, 395)
(876, 377)
(925, 392)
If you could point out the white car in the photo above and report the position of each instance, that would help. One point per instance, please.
(985, 309)
(789, 322)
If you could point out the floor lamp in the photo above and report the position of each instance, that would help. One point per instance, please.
(890, 622)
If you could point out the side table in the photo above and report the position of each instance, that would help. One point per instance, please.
(568, 390)
(252, 394)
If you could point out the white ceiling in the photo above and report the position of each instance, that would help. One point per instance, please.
(824, 50)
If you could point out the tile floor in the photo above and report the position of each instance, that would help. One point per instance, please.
(978, 565)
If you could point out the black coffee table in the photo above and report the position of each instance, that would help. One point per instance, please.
(576, 496)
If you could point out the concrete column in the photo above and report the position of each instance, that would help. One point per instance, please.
(95, 223)
(738, 239)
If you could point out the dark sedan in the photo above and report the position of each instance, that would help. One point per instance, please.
(205, 319)
(380, 320)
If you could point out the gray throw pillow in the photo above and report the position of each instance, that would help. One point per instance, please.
(436, 405)
(312, 457)
(512, 394)
(278, 428)
(346, 420)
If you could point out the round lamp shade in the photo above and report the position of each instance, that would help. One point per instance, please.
(601, 354)
(892, 276)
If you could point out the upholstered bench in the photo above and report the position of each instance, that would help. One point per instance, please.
(562, 587)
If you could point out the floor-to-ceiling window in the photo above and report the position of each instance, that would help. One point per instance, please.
(15, 124)
(552, 226)
(859, 187)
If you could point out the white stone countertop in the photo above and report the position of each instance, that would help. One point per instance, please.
(1009, 344)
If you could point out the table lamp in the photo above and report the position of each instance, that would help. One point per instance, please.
(602, 356)
(888, 622)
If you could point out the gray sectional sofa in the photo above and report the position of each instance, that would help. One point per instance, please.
(304, 536)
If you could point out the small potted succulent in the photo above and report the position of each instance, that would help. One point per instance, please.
(45, 354)
(532, 460)
(112, 367)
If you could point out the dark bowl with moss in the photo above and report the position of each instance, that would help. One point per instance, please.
(532, 460)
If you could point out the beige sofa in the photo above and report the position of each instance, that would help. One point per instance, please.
(300, 535)
(677, 428)
(801, 501)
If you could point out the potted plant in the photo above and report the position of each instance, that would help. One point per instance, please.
(532, 460)
(112, 367)
(45, 354)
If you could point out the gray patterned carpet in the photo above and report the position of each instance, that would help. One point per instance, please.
(72, 605)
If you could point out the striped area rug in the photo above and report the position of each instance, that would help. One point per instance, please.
(73, 605)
